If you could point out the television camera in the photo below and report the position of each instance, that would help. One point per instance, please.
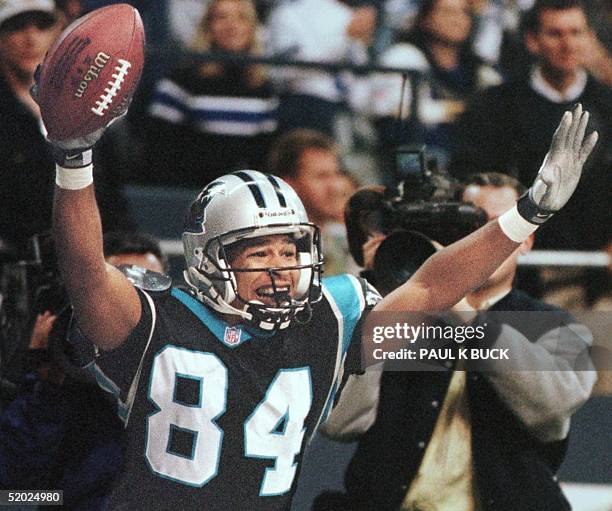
(29, 285)
(423, 205)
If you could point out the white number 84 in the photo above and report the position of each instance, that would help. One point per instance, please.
(274, 430)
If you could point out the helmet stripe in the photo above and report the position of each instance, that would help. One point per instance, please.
(259, 198)
(279, 192)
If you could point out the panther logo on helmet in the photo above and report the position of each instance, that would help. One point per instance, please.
(242, 206)
(197, 213)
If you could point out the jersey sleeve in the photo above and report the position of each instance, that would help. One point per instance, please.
(352, 299)
(371, 297)
(117, 371)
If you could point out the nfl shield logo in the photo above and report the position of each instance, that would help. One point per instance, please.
(232, 335)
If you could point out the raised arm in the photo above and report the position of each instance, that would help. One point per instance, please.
(106, 304)
(451, 273)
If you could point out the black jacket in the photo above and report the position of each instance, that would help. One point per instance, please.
(26, 172)
(27, 176)
(514, 471)
(509, 128)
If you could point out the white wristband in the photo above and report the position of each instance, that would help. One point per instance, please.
(515, 226)
(73, 179)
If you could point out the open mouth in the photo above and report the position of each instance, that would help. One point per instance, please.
(278, 295)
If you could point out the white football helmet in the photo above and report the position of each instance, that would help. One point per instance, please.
(245, 205)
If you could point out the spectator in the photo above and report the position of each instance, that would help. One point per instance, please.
(61, 431)
(27, 29)
(206, 118)
(487, 439)
(26, 32)
(445, 74)
(308, 160)
(516, 61)
(492, 20)
(498, 130)
(122, 247)
(70, 9)
(183, 17)
(319, 31)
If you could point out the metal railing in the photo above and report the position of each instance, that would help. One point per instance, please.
(592, 259)
(284, 60)
(174, 248)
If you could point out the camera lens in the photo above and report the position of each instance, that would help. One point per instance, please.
(398, 257)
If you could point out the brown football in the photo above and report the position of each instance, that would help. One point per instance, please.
(91, 72)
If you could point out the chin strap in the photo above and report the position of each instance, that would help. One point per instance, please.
(267, 318)
(303, 316)
(249, 314)
(278, 320)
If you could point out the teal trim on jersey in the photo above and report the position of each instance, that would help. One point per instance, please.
(281, 426)
(214, 323)
(200, 391)
(108, 385)
(344, 292)
(157, 409)
(194, 440)
(285, 418)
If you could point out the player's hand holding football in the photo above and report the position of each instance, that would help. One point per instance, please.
(72, 152)
(557, 178)
(87, 81)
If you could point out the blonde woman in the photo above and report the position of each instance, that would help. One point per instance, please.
(208, 118)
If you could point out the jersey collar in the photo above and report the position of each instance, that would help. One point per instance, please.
(230, 336)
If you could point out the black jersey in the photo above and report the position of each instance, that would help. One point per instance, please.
(218, 417)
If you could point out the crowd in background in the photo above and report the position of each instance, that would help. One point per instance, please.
(481, 83)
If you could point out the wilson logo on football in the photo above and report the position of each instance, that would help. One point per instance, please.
(114, 86)
(92, 73)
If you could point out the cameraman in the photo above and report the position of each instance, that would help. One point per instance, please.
(462, 439)
(61, 431)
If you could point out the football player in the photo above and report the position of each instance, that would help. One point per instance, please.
(221, 388)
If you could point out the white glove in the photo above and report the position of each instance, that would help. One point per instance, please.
(560, 172)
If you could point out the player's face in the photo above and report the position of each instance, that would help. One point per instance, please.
(449, 21)
(25, 39)
(561, 40)
(231, 26)
(318, 184)
(276, 251)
